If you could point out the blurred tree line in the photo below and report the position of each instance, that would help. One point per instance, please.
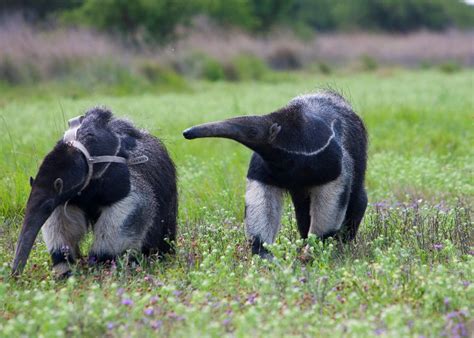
(157, 19)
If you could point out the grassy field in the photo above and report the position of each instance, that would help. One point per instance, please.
(410, 272)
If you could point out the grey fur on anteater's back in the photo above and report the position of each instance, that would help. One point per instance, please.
(315, 148)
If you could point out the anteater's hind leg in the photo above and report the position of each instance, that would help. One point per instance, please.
(161, 236)
(301, 201)
(328, 207)
(354, 214)
(263, 207)
(120, 227)
(62, 234)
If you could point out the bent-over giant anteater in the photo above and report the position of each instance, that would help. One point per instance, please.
(107, 176)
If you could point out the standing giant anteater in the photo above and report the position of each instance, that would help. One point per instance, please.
(316, 149)
(105, 175)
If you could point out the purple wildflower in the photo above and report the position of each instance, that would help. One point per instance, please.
(226, 321)
(120, 291)
(177, 293)
(127, 302)
(251, 299)
(379, 331)
(446, 301)
(175, 316)
(452, 314)
(438, 246)
(149, 311)
(154, 300)
(459, 330)
(156, 324)
(380, 205)
(110, 326)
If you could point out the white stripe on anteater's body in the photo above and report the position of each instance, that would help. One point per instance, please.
(263, 207)
(124, 225)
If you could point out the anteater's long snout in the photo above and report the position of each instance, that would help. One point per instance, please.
(37, 212)
(190, 133)
(212, 129)
(243, 129)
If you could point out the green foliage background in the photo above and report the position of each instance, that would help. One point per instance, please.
(156, 20)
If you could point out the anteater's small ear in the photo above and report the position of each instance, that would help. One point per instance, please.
(274, 130)
(58, 185)
(32, 181)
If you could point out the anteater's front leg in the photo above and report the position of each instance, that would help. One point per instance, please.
(263, 205)
(62, 234)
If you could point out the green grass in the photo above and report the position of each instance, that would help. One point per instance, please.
(410, 272)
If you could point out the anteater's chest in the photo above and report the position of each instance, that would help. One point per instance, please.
(102, 192)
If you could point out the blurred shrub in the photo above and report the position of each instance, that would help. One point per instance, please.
(426, 64)
(246, 67)
(268, 13)
(450, 67)
(320, 67)
(160, 75)
(156, 20)
(368, 63)
(324, 68)
(200, 66)
(285, 58)
(151, 20)
(230, 12)
(213, 70)
(37, 9)
(12, 74)
(401, 15)
(105, 72)
(317, 14)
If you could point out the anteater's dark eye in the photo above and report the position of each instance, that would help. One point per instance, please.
(252, 133)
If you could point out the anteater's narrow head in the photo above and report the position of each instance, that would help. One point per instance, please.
(254, 132)
(58, 179)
